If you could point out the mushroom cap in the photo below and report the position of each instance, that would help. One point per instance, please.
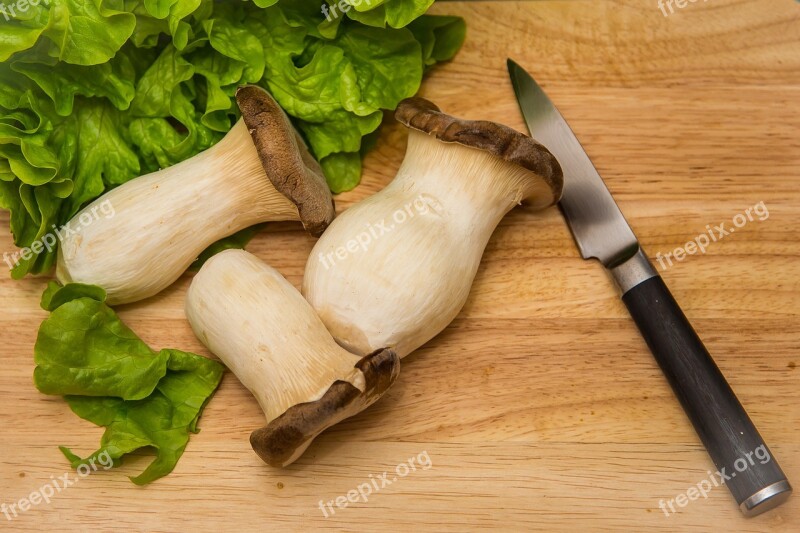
(286, 437)
(287, 162)
(499, 140)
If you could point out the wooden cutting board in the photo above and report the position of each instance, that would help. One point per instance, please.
(540, 407)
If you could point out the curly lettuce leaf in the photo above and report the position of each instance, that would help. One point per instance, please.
(394, 13)
(343, 170)
(56, 295)
(83, 348)
(386, 64)
(144, 399)
(62, 82)
(23, 31)
(162, 421)
(85, 32)
(441, 37)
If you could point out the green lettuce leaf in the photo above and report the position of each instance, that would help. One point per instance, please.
(83, 348)
(162, 421)
(395, 13)
(343, 170)
(386, 64)
(441, 37)
(22, 31)
(87, 32)
(144, 399)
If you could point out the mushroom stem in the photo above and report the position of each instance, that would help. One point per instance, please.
(469, 186)
(137, 239)
(261, 328)
(160, 223)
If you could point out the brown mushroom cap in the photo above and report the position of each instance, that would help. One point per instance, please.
(499, 140)
(285, 438)
(287, 162)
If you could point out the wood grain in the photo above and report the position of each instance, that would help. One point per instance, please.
(540, 407)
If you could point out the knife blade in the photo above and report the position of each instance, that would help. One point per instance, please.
(601, 232)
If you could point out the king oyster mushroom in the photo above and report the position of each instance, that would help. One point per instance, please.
(260, 171)
(261, 328)
(395, 269)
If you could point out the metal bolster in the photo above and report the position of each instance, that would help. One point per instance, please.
(632, 272)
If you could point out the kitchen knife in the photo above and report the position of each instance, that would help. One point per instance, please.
(601, 232)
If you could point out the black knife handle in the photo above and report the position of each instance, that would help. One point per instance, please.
(743, 460)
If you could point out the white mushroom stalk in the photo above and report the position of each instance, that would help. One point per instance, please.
(263, 330)
(260, 171)
(394, 270)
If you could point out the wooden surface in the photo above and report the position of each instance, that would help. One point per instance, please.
(540, 407)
